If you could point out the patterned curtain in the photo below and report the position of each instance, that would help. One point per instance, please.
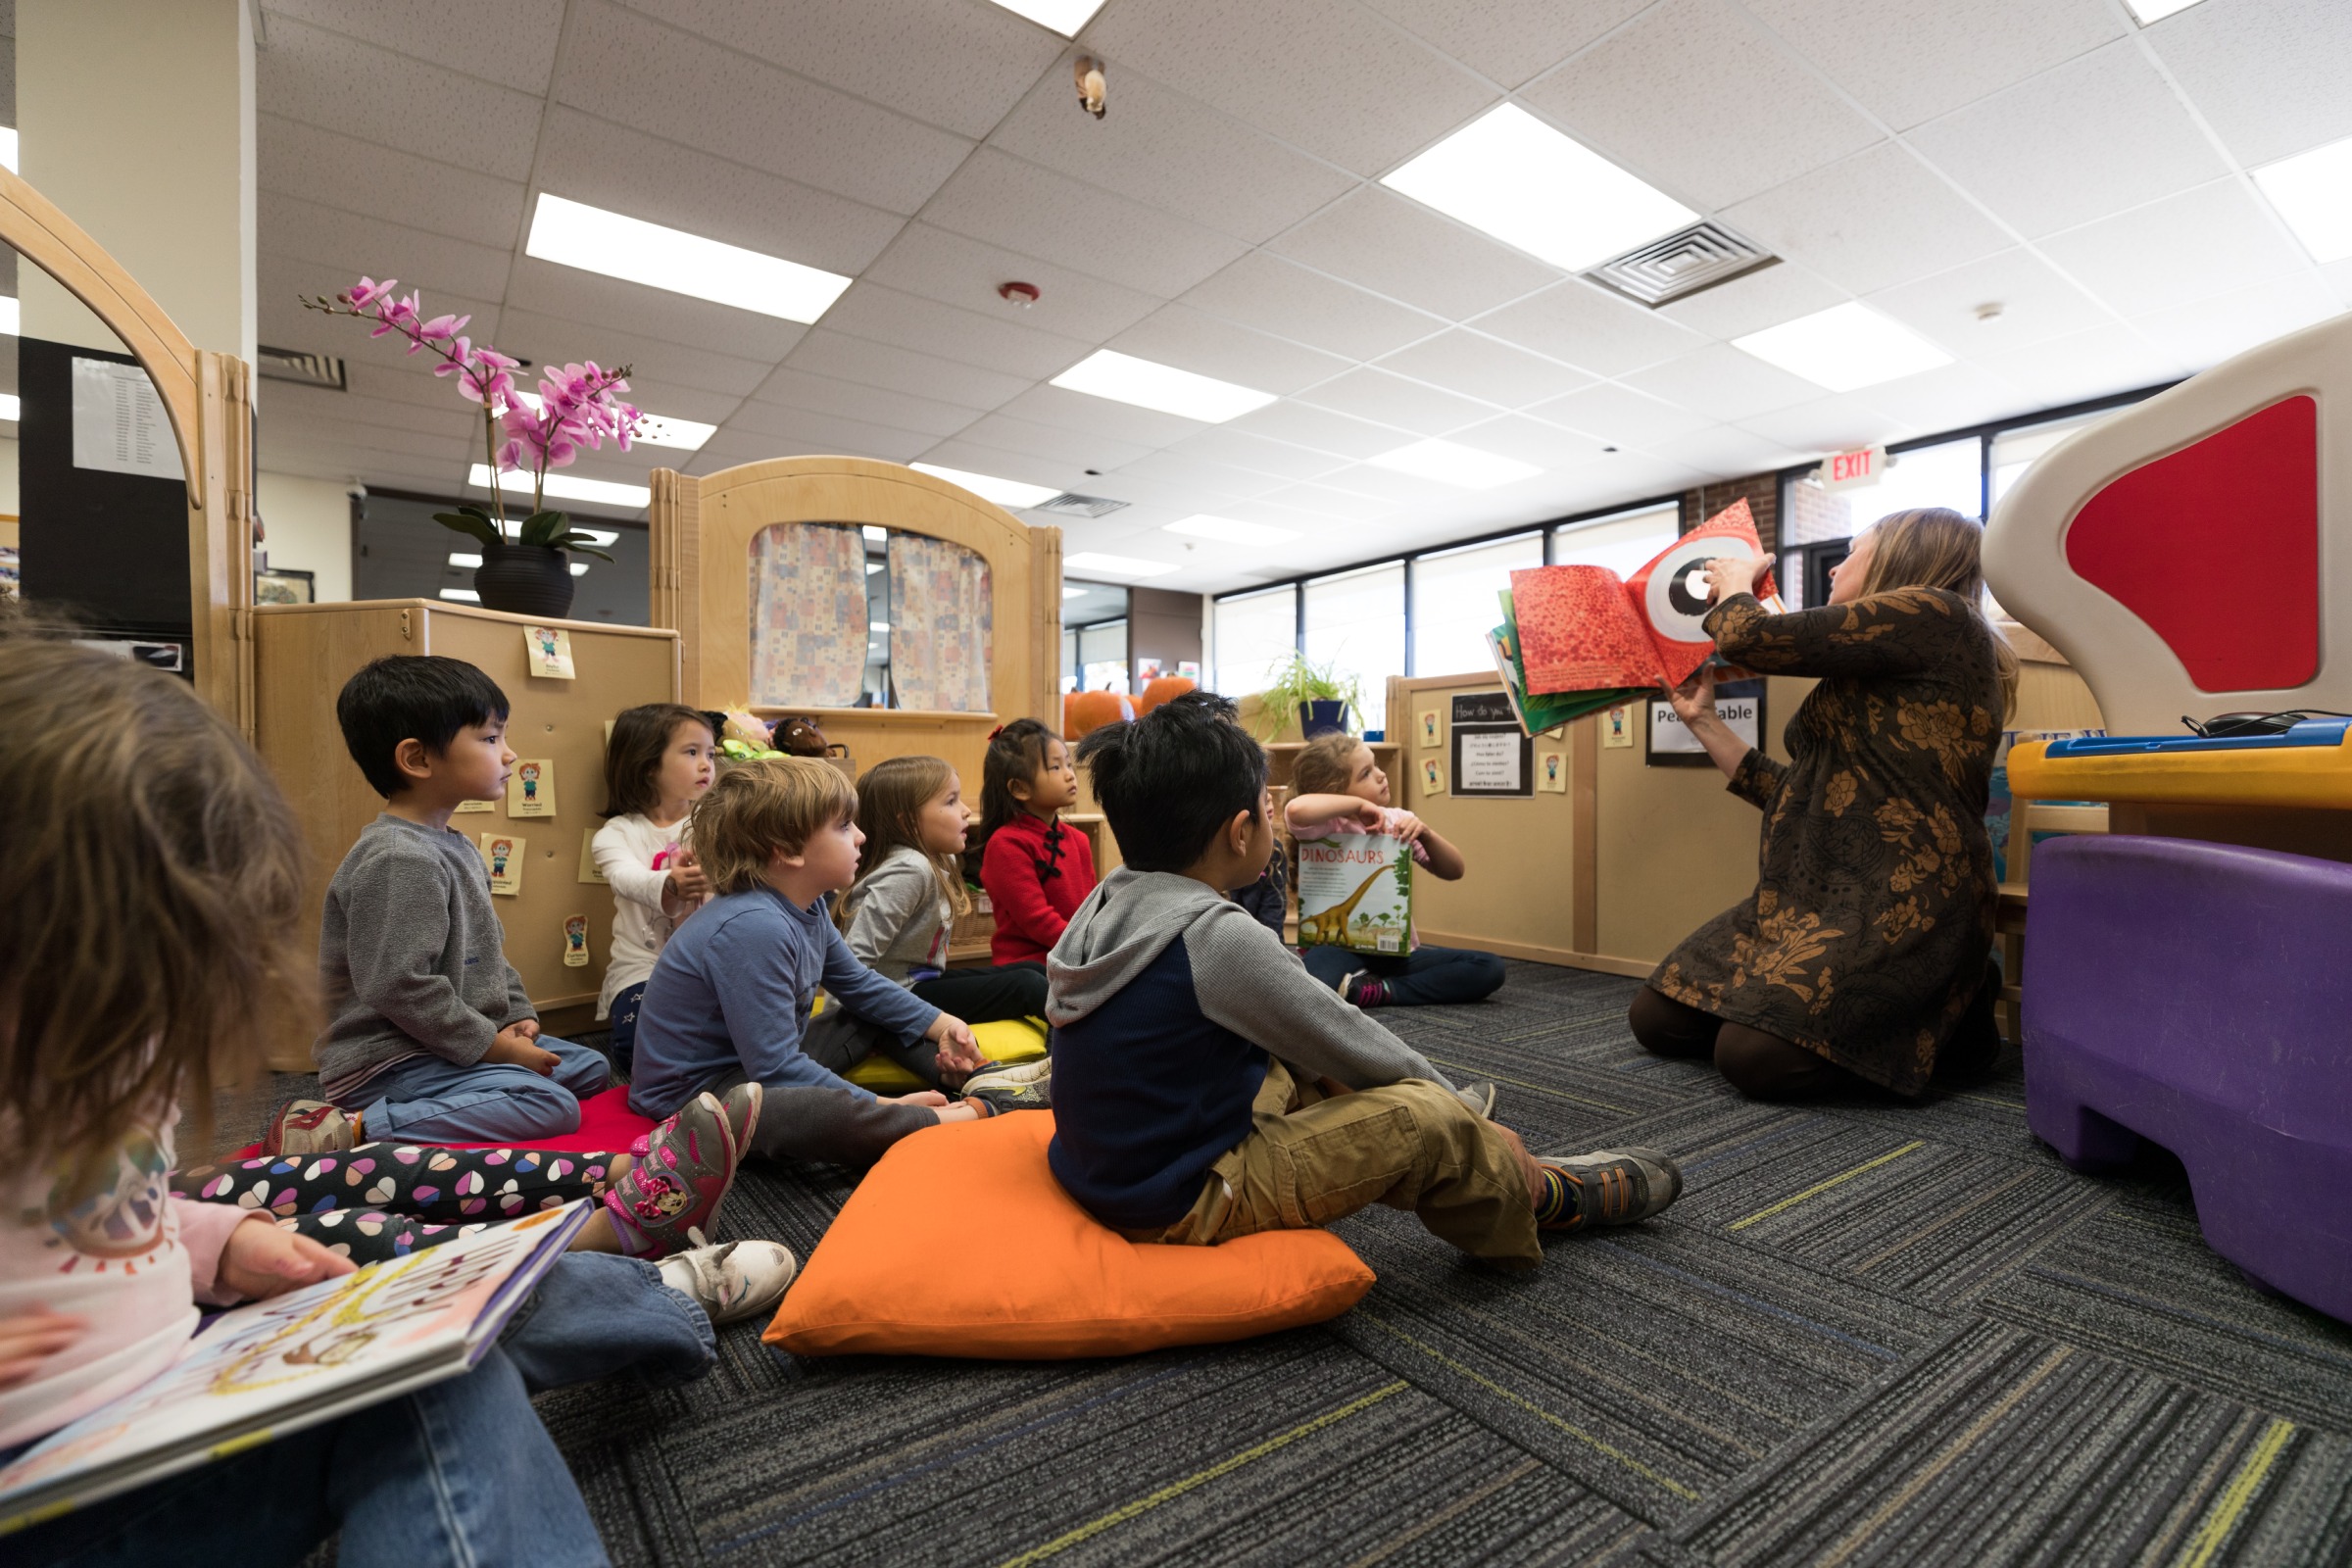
(809, 616)
(942, 627)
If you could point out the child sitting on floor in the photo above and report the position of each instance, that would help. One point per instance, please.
(899, 912)
(1341, 788)
(1036, 868)
(147, 911)
(428, 1027)
(657, 764)
(1173, 1121)
(730, 995)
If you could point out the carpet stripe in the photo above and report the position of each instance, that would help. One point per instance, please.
(2232, 1501)
(1818, 1188)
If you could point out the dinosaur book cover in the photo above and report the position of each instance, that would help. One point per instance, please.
(1355, 891)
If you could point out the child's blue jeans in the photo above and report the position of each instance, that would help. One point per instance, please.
(627, 1005)
(460, 1473)
(426, 1100)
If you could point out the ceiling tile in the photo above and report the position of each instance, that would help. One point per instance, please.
(1515, 435)
(519, 35)
(1404, 250)
(1054, 443)
(1202, 483)
(309, 161)
(974, 458)
(2269, 77)
(823, 394)
(1256, 452)
(324, 78)
(1086, 415)
(1589, 328)
(796, 432)
(2199, 243)
(1393, 399)
(1630, 478)
(945, 62)
(992, 342)
(360, 243)
(879, 364)
(997, 198)
(625, 171)
(1754, 301)
(548, 288)
(453, 422)
(1171, 152)
(2211, 330)
(1840, 423)
(1724, 383)
(1207, 345)
(958, 270)
(1725, 452)
(1302, 425)
(1619, 415)
(1322, 500)
(2035, 304)
(1910, 63)
(2084, 364)
(1321, 74)
(1509, 40)
(1945, 398)
(1264, 291)
(1629, 98)
(2126, 139)
(2339, 277)
(548, 339)
(1480, 367)
(1879, 218)
(628, 68)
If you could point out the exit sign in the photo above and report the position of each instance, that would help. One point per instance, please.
(1845, 470)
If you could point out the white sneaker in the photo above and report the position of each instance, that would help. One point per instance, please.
(733, 1280)
(998, 1075)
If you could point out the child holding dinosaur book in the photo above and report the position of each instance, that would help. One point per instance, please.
(1338, 787)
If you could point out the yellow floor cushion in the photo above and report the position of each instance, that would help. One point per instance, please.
(1009, 1040)
(962, 1243)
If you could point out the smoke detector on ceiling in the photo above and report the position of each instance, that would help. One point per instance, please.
(1680, 265)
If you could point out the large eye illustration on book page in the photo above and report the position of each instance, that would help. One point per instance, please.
(1676, 594)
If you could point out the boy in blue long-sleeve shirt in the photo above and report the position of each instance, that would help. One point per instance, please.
(729, 999)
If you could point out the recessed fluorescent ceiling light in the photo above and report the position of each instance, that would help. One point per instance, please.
(597, 241)
(1843, 347)
(1116, 566)
(460, 557)
(2313, 192)
(1511, 176)
(2148, 11)
(11, 406)
(8, 151)
(1124, 378)
(564, 487)
(1064, 16)
(462, 595)
(1448, 463)
(1232, 530)
(988, 487)
(653, 430)
(9, 317)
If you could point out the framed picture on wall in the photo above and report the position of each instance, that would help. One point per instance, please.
(1667, 742)
(281, 587)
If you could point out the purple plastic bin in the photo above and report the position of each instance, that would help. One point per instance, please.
(2200, 996)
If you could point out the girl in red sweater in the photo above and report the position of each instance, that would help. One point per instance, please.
(1036, 871)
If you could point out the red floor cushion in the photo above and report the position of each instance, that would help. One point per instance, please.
(962, 1243)
(606, 1124)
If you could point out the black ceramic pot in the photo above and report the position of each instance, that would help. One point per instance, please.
(524, 580)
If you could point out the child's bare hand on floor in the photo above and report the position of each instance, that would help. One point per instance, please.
(261, 1262)
(27, 1339)
(514, 1048)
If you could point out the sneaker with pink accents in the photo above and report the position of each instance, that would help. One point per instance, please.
(676, 1185)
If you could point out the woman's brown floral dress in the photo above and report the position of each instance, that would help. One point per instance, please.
(1867, 936)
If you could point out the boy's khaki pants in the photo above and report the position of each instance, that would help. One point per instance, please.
(1312, 1157)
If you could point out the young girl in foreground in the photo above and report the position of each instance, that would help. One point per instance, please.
(147, 914)
(899, 912)
(657, 764)
(1036, 869)
(1341, 789)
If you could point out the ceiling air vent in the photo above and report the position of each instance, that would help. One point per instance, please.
(1078, 505)
(1680, 265)
(293, 365)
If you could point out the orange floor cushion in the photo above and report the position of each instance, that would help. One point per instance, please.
(962, 1243)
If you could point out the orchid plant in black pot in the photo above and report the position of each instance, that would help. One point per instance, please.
(525, 568)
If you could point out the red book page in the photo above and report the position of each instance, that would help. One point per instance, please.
(1578, 632)
(1670, 597)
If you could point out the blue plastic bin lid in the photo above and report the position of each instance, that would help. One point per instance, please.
(2308, 732)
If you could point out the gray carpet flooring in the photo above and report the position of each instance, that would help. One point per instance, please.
(1871, 1333)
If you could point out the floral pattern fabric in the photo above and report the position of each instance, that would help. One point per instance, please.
(1868, 933)
(942, 631)
(809, 616)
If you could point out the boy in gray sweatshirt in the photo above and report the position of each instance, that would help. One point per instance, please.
(1205, 1086)
(431, 1038)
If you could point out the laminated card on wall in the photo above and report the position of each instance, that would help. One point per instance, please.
(1355, 891)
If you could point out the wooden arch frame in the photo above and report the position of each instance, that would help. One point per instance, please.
(209, 399)
(701, 586)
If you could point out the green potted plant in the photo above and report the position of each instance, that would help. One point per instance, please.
(1316, 693)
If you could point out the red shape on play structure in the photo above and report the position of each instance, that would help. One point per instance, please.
(2216, 548)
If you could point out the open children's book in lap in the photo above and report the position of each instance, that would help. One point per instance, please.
(1575, 639)
(274, 1367)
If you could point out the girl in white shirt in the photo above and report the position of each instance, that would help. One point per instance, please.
(658, 763)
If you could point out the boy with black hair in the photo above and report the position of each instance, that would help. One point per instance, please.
(1174, 1123)
(431, 1038)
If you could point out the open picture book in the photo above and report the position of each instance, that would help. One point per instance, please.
(1576, 639)
(262, 1370)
